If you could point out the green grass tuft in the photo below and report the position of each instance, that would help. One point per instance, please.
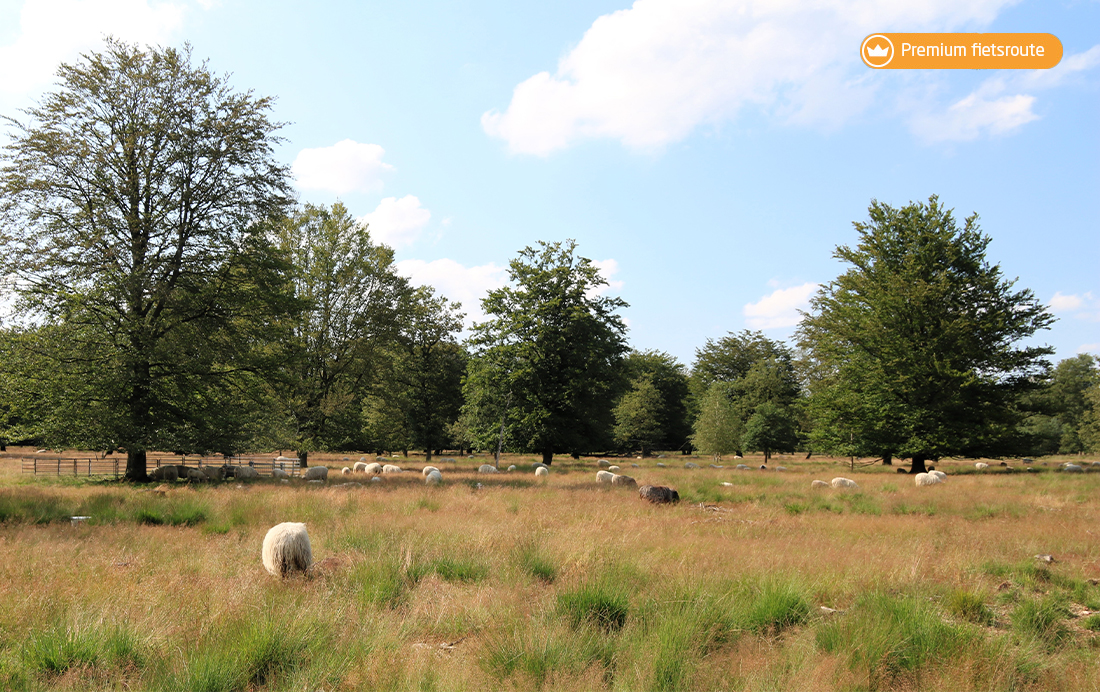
(599, 603)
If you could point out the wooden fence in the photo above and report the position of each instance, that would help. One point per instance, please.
(116, 466)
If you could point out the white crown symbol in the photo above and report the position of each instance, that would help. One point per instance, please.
(878, 52)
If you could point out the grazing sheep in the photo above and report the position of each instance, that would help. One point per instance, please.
(603, 463)
(612, 469)
(391, 468)
(1073, 468)
(780, 468)
(359, 467)
(434, 477)
(658, 494)
(660, 465)
(246, 473)
(512, 467)
(487, 468)
(819, 484)
(839, 482)
(716, 466)
(279, 473)
(604, 476)
(691, 465)
(537, 464)
(542, 471)
(376, 479)
(981, 466)
(196, 475)
(763, 468)
(374, 468)
(938, 474)
(625, 481)
(923, 479)
(345, 471)
(635, 466)
(286, 548)
(316, 473)
(214, 473)
(428, 469)
(164, 473)
(741, 467)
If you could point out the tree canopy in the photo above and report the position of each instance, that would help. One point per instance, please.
(917, 344)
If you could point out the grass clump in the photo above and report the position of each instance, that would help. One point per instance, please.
(1043, 619)
(774, 607)
(598, 602)
(1092, 623)
(532, 560)
(543, 653)
(450, 568)
(65, 646)
(970, 607)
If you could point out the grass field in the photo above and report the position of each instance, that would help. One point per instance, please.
(558, 584)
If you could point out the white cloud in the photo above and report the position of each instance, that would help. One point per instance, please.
(649, 75)
(1089, 348)
(56, 31)
(1061, 303)
(467, 285)
(347, 166)
(608, 268)
(780, 307)
(397, 222)
(1070, 66)
(1081, 307)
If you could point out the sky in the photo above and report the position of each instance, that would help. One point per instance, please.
(708, 155)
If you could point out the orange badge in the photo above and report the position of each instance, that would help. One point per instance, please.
(961, 51)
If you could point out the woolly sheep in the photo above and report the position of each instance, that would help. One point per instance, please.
(391, 468)
(214, 473)
(279, 473)
(604, 476)
(512, 467)
(819, 484)
(374, 468)
(635, 466)
(433, 477)
(780, 468)
(658, 494)
(741, 467)
(691, 465)
(196, 475)
(923, 479)
(345, 471)
(247, 473)
(717, 466)
(316, 473)
(981, 466)
(624, 481)
(286, 548)
(487, 468)
(612, 469)
(164, 473)
(660, 465)
(839, 482)
(603, 463)
(376, 479)
(938, 474)
(1073, 468)
(537, 464)
(542, 471)
(359, 467)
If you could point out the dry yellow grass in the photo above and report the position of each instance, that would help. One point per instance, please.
(185, 589)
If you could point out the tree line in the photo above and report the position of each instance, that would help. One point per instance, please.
(170, 293)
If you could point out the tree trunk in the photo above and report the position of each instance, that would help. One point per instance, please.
(887, 459)
(809, 454)
(405, 452)
(135, 466)
(918, 464)
(547, 457)
(303, 459)
(427, 456)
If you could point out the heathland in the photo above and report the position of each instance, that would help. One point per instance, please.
(752, 582)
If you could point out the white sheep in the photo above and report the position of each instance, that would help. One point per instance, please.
(1073, 468)
(376, 479)
(542, 471)
(279, 473)
(660, 465)
(819, 484)
(691, 465)
(981, 466)
(164, 473)
(512, 467)
(604, 476)
(612, 469)
(428, 469)
(603, 463)
(741, 467)
(938, 474)
(359, 467)
(345, 471)
(624, 480)
(487, 468)
(391, 468)
(196, 475)
(286, 548)
(433, 477)
(374, 468)
(839, 482)
(537, 464)
(635, 466)
(923, 479)
(316, 473)
(246, 473)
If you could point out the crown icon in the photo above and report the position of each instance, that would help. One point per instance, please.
(877, 51)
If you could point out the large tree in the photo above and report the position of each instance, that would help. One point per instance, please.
(130, 199)
(669, 379)
(918, 343)
(545, 364)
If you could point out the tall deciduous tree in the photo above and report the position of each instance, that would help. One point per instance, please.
(357, 305)
(919, 341)
(671, 383)
(545, 362)
(718, 427)
(639, 416)
(129, 200)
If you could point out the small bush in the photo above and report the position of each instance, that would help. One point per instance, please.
(598, 603)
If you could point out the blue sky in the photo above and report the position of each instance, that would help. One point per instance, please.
(709, 155)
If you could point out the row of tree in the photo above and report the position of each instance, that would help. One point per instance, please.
(170, 294)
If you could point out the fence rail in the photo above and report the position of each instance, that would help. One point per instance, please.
(91, 466)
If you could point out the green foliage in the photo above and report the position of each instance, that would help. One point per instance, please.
(537, 652)
(718, 427)
(970, 607)
(1043, 619)
(68, 645)
(914, 347)
(775, 607)
(770, 428)
(546, 361)
(639, 416)
(599, 602)
(535, 562)
(669, 378)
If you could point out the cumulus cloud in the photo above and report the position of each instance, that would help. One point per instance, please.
(467, 285)
(56, 31)
(608, 268)
(397, 222)
(976, 115)
(1082, 307)
(1062, 303)
(780, 307)
(347, 166)
(1089, 348)
(649, 75)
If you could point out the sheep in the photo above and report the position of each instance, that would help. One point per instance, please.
(839, 482)
(938, 474)
(359, 467)
(512, 467)
(376, 479)
(345, 471)
(164, 473)
(316, 473)
(196, 475)
(780, 468)
(604, 476)
(625, 481)
(660, 465)
(391, 468)
(717, 466)
(542, 471)
(247, 473)
(487, 468)
(603, 463)
(428, 469)
(612, 469)
(741, 467)
(981, 466)
(214, 473)
(1073, 468)
(537, 464)
(658, 494)
(819, 484)
(691, 465)
(434, 477)
(286, 548)
(280, 474)
(374, 468)
(923, 479)
(635, 466)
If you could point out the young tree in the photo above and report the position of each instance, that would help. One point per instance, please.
(357, 308)
(718, 428)
(639, 416)
(671, 382)
(770, 428)
(545, 362)
(918, 340)
(129, 200)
